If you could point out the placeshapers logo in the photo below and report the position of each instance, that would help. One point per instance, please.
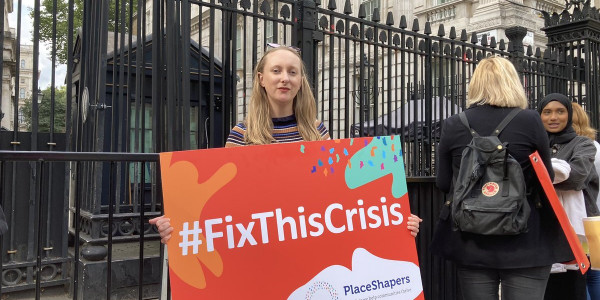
(366, 280)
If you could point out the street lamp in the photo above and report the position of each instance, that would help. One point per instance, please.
(40, 96)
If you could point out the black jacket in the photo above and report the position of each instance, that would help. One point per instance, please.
(544, 243)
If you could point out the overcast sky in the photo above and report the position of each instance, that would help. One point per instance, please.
(45, 62)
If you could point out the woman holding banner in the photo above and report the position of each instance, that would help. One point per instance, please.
(282, 110)
(518, 264)
(572, 161)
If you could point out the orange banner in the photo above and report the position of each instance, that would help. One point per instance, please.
(542, 173)
(309, 220)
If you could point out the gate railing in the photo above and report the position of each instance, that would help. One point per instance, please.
(45, 268)
(167, 75)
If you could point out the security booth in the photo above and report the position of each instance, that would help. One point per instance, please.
(121, 114)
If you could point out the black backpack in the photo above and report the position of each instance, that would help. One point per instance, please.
(489, 192)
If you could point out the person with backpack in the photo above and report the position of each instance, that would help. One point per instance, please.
(475, 163)
(572, 156)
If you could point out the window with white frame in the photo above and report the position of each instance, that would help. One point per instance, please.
(135, 140)
(148, 20)
(238, 47)
(22, 63)
(21, 116)
(371, 5)
(439, 2)
(269, 27)
(22, 93)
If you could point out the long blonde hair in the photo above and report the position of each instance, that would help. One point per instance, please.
(258, 122)
(581, 122)
(496, 82)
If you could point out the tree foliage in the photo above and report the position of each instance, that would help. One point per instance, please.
(44, 110)
(47, 18)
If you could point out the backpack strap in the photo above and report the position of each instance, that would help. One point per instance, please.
(505, 178)
(496, 132)
(463, 119)
(505, 122)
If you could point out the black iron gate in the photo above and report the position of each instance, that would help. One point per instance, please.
(164, 75)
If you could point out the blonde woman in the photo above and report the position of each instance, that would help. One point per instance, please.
(282, 110)
(282, 107)
(581, 124)
(519, 264)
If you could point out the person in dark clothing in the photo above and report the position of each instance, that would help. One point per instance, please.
(577, 153)
(519, 264)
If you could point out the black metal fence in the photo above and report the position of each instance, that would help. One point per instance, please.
(21, 188)
(113, 268)
(409, 78)
(166, 75)
(126, 260)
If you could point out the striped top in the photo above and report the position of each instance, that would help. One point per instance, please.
(285, 130)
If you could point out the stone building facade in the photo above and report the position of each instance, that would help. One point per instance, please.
(8, 70)
(25, 80)
(489, 17)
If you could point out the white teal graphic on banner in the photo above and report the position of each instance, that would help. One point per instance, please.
(371, 277)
